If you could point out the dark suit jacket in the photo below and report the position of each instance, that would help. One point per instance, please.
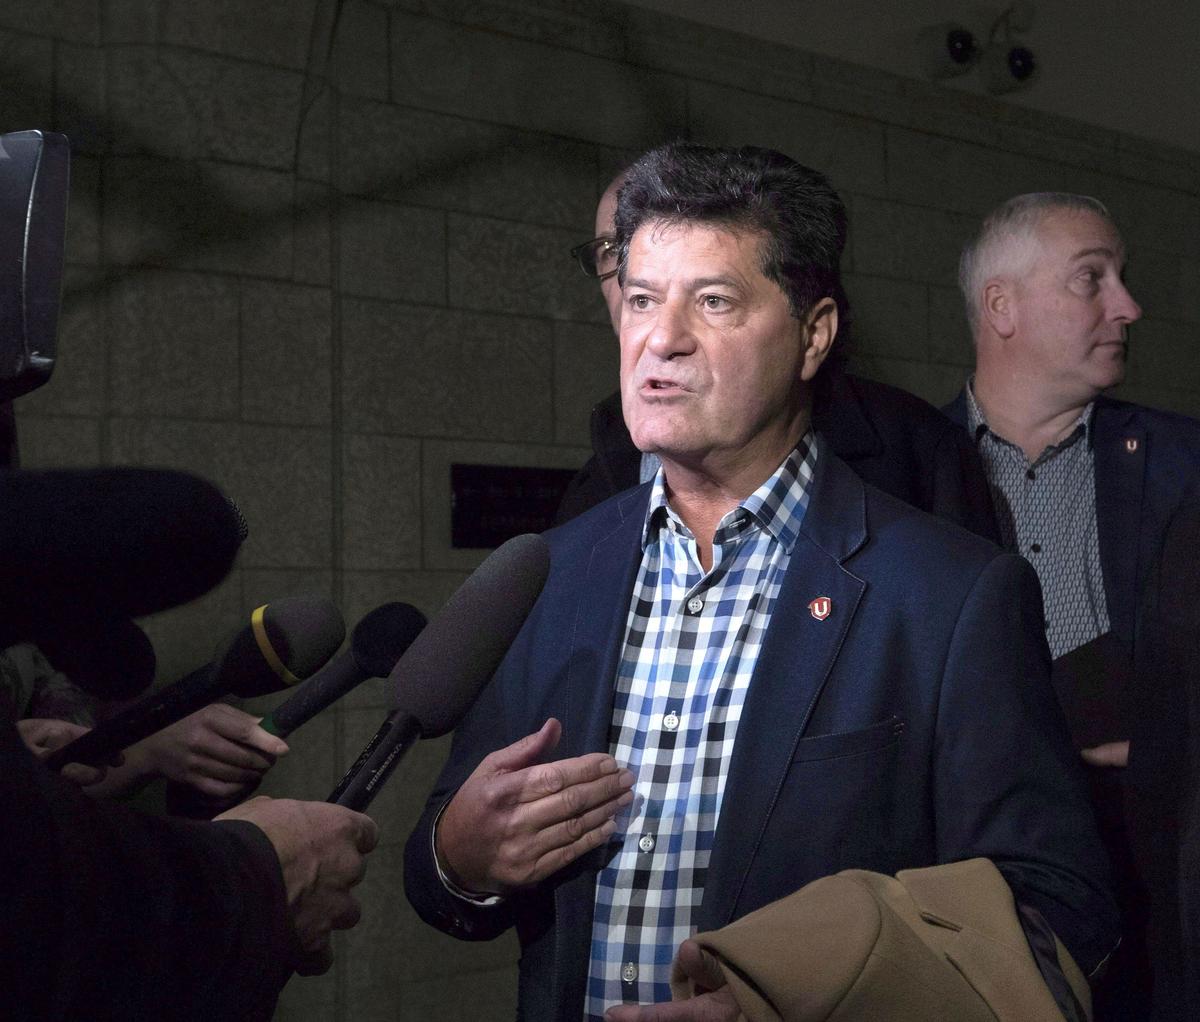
(891, 438)
(109, 914)
(1146, 461)
(914, 725)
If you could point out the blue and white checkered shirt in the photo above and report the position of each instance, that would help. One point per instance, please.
(691, 644)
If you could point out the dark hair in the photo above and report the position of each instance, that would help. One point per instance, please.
(801, 217)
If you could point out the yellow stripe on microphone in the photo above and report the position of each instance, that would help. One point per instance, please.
(258, 624)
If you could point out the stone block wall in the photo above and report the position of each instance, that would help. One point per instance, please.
(318, 252)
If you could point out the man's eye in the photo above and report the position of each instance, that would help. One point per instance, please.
(715, 303)
(639, 301)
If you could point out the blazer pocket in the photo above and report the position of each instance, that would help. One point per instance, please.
(849, 743)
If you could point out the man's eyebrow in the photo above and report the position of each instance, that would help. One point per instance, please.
(1100, 251)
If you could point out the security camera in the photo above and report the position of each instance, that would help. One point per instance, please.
(1008, 66)
(947, 49)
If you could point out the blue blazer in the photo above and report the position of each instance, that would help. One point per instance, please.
(1146, 462)
(914, 725)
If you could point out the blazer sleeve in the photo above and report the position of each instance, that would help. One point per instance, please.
(1008, 785)
(110, 913)
(481, 732)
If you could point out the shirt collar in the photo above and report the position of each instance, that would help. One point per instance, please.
(977, 424)
(778, 505)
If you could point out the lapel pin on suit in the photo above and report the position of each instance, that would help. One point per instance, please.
(820, 607)
(1131, 444)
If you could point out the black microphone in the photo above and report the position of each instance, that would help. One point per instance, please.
(284, 642)
(109, 659)
(376, 643)
(117, 542)
(445, 669)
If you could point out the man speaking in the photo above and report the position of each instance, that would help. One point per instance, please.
(754, 670)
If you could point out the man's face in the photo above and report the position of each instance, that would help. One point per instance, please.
(711, 358)
(606, 213)
(1071, 309)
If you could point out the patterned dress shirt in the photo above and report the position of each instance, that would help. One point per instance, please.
(691, 643)
(1047, 513)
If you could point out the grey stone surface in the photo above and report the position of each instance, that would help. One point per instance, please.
(444, 67)
(128, 21)
(192, 105)
(518, 268)
(381, 501)
(1154, 279)
(279, 476)
(80, 85)
(83, 211)
(286, 359)
(890, 317)
(26, 69)
(908, 242)
(928, 171)
(72, 20)
(418, 371)
(586, 370)
(1158, 218)
(848, 150)
(174, 346)
(312, 235)
(485, 996)
(267, 31)
(432, 159)
(949, 335)
(1164, 355)
(438, 456)
(390, 251)
(198, 215)
(360, 51)
(77, 385)
(1189, 290)
(937, 384)
(54, 441)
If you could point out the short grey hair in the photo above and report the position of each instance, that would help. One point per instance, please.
(1004, 237)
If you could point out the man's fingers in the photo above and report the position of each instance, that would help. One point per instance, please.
(366, 836)
(1110, 754)
(526, 751)
(566, 832)
(569, 779)
(701, 967)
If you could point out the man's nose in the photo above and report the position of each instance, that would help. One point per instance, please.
(1123, 308)
(672, 333)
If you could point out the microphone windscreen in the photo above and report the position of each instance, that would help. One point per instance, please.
(122, 541)
(383, 636)
(111, 660)
(288, 640)
(444, 670)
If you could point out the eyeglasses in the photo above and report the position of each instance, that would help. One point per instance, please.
(598, 257)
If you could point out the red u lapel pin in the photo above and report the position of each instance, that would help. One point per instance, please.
(820, 607)
(1131, 444)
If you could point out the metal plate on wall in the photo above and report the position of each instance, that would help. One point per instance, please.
(492, 503)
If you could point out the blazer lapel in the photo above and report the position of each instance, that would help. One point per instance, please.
(1119, 447)
(797, 655)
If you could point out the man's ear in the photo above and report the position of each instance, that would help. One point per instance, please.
(817, 332)
(997, 307)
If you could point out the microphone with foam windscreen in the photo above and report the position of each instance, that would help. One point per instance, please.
(284, 643)
(108, 659)
(376, 643)
(117, 542)
(443, 672)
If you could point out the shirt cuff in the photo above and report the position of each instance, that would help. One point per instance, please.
(482, 900)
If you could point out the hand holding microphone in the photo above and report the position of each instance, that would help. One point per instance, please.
(448, 664)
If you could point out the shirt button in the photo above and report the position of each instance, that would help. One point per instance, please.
(671, 721)
(646, 844)
(1030, 474)
(629, 973)
(1036, 547)
(695, 605)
